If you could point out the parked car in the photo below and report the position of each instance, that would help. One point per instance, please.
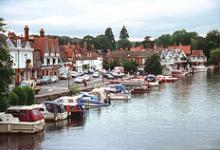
(65, 76)
(79, 80)
(109, 76)
(30, 83)
(74, 74)
(38, 81)
(46, 80)
(54, 78)
(86, 77)
(95, 74)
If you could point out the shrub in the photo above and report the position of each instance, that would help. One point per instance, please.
(30, 99)
(13, 98)
(74, 89)
(3, 103)
(22, 95)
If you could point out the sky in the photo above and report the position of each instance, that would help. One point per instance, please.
(77, 18)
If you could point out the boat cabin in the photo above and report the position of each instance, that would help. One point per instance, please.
(25, 113)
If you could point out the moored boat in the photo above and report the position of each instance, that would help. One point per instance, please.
(177, 73)
(74, 108)
(22, 119)
(117, 92)
(152, 80)
(53, 111)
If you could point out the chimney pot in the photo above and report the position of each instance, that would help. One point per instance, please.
(42, 32)
(26, 32)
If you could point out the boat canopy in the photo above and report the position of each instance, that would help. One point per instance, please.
(53, 106)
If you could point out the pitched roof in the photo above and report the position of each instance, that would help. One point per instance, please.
(197, 53)
(185, 48)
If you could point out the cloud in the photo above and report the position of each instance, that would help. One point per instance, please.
(92, 16)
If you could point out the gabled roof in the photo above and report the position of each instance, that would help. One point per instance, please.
(197, 53)
(185, 48)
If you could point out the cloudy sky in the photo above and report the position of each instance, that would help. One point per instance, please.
(77, 18)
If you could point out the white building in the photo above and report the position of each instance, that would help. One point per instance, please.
(22, 57)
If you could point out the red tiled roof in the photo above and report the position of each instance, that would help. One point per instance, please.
(185, 48)
(197, 53)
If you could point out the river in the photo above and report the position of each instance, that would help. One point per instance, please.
(180, 115)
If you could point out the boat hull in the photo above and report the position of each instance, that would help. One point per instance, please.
(22, 127)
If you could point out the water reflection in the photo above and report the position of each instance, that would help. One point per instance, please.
(21, 141)
(68, 123)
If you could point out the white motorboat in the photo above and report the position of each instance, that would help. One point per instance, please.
(117, 92)
(152, 80)
(22, 119)
(53, 111)
(72, 105)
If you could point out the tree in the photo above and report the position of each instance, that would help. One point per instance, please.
(124, 33)
(13, 98)
(111, 38)
(214, 37)
(164, 40)
(147, 43)
(6, 71)
(181, 37)
(102, 43)
(153, 65)
(22, 95)
(30, 99)
(215, 56)
(129, 66)
(124, 43)
(3, 103)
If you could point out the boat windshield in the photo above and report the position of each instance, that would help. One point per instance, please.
(51, 108)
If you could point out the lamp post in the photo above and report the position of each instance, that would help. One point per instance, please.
(68, 75)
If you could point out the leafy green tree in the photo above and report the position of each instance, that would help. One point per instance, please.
(124, 33)
(13, 98)
(153, 65)
(102, 43)
(6, 71)
(164, 40)
(215, 56)
(123, 43)
(113, 63)
(3, 103)
(181, 36)
(213, 37)
(111, 38)
(30, 99)
(129, 66)
(89, 41)
(22, 95)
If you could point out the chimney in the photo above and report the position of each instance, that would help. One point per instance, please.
(26, 32)
(41, 32)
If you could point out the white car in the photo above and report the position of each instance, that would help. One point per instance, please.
(79, 80)
(86, 77)
(74, 74)
(95, 75)
(54, 78)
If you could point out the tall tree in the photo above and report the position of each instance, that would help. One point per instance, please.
(215, 56)
(124, 33)
(124, 43)
(111, 38)
(6, 71)
(181, 37)
(164, 40)
(153, 65)
(213, 37)
(102, 43)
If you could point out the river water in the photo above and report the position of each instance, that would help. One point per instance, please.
(180, 115)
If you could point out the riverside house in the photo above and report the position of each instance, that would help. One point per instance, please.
(22, 56)
(49, 51)
(140, 56)
(77, 58)
(175, 57)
